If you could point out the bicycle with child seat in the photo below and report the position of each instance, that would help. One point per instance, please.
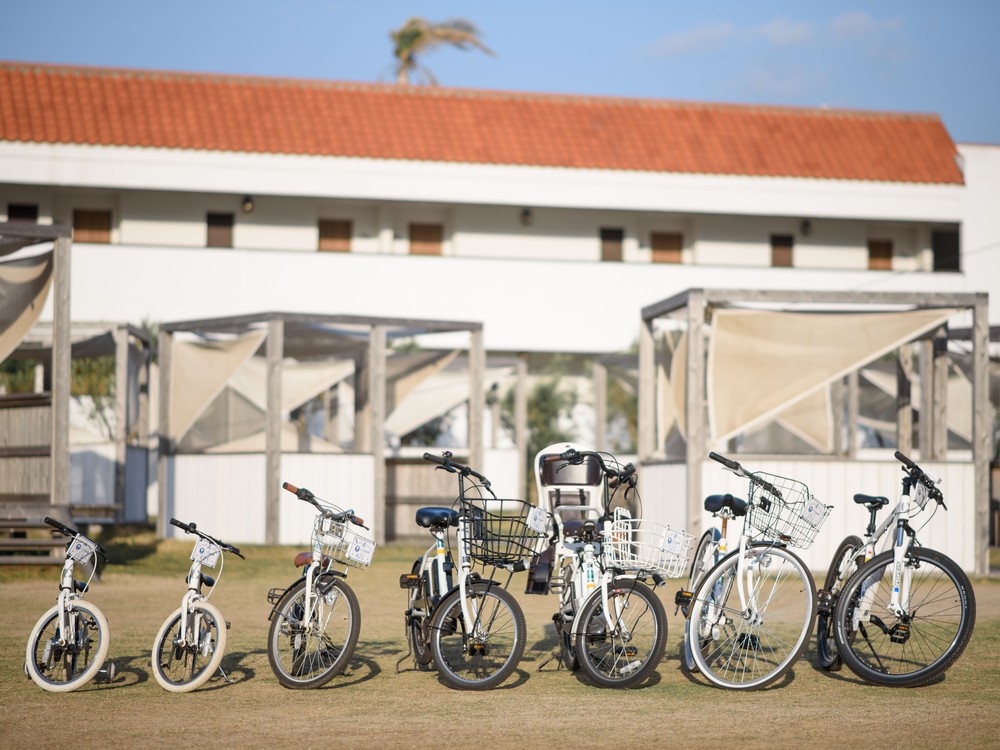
(189, 646)
(68, 646)
(316, 620)
(610, 622)
(902, 617)
(750, 617)
(458, 616)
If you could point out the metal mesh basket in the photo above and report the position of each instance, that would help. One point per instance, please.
(502, 532)
(640, 545)
(339, 541)
(782, 509)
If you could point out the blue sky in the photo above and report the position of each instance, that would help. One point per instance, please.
(913, 56)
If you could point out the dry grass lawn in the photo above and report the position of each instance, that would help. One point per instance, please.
(374, 706)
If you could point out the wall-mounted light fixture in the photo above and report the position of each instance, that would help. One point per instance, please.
(527, 218)
(248, 204)
(806, 227)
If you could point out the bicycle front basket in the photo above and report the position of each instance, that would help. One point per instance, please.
(783, 510)
(339, 541)
(635, 544)
(502, 532)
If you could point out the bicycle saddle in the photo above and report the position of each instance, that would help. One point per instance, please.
(715, 503)
(437, 518)
(871, 501)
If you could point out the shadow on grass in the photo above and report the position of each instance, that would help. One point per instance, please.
(130, 671)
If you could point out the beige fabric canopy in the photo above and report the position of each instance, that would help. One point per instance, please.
(300, 381)
(24, 287)
(760, 363)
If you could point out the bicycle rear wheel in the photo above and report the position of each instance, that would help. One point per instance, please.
(59, 664)
(912, 649)
(309, 653)
(620, 642)
(181, 666)
(416, 624)
(489, 654)
(841, 569)
(747, 649)
(701, 563)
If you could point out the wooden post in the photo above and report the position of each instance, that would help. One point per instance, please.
(926, 424)
(695, 409)
(852, 414)
(275, 350)
(904, 408)
(477, 399)
(164, 505)
(982, 422)
(121, 336)
(521, 424)
(648, 409)
(600, 406)
(362, 405)
(939, 398)
(376, 372)
(62, 365)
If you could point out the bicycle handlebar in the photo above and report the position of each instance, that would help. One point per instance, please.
(737, 468)
(69, 531)
(454, 467)
(307, 496)
(192, 528)
(616, 477)
(928, 480)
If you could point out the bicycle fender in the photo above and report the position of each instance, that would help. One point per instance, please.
(299, 580)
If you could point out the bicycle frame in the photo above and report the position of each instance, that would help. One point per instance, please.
(68, 593)
(194, 594)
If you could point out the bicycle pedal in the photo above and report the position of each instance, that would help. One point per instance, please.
(409, 581)
(824, 601)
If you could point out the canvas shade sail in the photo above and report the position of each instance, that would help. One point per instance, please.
(24, 287)
(436, 396)
(200, 372)
(300, 381)
(959, 398)
(760, 362)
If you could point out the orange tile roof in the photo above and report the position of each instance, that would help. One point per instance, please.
(114, 107)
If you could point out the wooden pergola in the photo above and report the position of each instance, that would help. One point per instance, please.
(308, 336)
(692, 309)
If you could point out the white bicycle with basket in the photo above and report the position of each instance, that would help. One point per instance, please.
(315, 622)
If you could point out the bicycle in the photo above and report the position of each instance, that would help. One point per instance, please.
(609, 621)
(316, 620)
(473, 630)
(189, 646)
(69, 644)
(749, 635)
(920, 601)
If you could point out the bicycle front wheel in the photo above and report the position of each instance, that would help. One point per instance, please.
(486, 655)
(60, 662)
(842, 567)
(910, 648)
(312, 638)
(752, 644)
(184, 661)
(620, 641)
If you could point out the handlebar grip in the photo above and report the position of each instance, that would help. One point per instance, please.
(728, 463)
(440, 460)
(188, 527)
(234, 549)
(60, 526)
(905, 461)
(290, 487)
(552, 458)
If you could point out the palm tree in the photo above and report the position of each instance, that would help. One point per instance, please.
(418, 35)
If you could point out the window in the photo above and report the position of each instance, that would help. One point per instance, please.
(335, 235)
(611, 244)
(945, 247)
(220, 230)
(426, 239)
(781, 250)
(22, 212)
(666, 247)
(91, 226)
(879, 255)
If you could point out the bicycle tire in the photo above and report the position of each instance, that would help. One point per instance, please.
(181, 669)
(701, 563)
(61, 669)
(842, 567)
(934, 637)
(740, 654)
(484, 659)
(308, 655)
(628, 654)
(416, 627)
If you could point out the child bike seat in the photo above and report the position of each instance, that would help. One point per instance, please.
(715, 503)
(437, 518)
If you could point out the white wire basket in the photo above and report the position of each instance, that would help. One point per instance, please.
(339, 541)
(635, 544)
